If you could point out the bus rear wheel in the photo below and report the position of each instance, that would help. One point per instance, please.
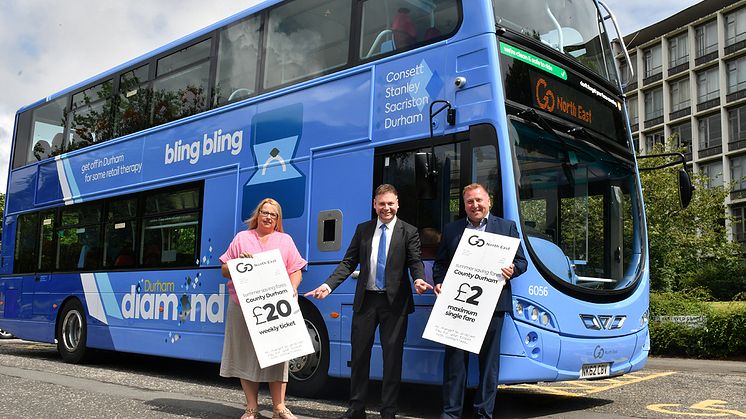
(72, 333)
(309, 374)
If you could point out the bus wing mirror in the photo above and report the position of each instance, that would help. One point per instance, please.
(685, 182)
(424, 175)
(685, 188)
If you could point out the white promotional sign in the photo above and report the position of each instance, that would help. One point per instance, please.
(470, 290)
(272, 314)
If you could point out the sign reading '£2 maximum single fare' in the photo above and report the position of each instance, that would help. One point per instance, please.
(470, 290)
(272, 313)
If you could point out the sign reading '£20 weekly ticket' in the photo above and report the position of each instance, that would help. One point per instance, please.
(272, 313)
(470, 290)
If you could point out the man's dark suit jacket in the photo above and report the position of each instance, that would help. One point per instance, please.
(449, 242)
(403, 256)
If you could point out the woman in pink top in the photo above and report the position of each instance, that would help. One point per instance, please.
(239, 359)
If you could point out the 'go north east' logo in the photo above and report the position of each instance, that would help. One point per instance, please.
(544, 97)
(475, 241)
(244, 267)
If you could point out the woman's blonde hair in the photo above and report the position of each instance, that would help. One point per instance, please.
(252, 222)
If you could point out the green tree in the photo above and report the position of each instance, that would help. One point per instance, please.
(683, 241)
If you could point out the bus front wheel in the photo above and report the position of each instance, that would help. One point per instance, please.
(72, 332)
(309, 374)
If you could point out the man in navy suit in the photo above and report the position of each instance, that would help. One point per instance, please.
(455, 366)
(388, 251)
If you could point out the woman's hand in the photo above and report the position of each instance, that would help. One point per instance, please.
(245, 255)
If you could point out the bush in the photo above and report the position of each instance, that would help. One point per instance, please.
(724, 281)
(723, 334)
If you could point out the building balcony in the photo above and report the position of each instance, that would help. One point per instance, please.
(680, 113)
(652, 78)
(632, 86)
(678, 69)
(740, 94)
(635, 127)
(711, 151)
(738, 144)
(730, 49)
(706, 58)
(712, 103)
(653, 121)
(738, 194)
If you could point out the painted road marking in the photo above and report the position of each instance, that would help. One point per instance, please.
(712, 408)
(585, 388)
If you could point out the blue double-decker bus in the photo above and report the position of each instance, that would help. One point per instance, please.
(125, 188)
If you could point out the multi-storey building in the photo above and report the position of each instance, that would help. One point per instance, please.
(690, 82)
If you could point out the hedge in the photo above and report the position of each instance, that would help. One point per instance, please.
(723, 334)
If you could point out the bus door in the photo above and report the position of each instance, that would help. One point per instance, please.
(429, 176)
(45, 244)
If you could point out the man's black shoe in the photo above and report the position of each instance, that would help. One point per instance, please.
(353, 414)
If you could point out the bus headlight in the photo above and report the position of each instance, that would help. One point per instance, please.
(645, 318)
(519, 309)
(544, 319)
(534, 313)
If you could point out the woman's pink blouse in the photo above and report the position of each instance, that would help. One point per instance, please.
(248, 241)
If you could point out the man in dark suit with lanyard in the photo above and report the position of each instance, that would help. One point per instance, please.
(455, 366)
(387, 249)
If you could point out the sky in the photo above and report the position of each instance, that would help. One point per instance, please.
(49, 45)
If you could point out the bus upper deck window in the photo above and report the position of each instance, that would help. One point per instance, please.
(47, 127)
(400, 24)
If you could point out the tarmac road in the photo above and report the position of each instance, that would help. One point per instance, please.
(34, 383)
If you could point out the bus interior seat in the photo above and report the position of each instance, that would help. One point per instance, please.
(430, 33)
(387, 46)
(41, 150)
(57, 143)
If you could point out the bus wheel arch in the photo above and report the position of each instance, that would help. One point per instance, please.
(309, 374)
(71, 332)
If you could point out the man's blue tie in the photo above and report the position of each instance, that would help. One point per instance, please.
(381, 260)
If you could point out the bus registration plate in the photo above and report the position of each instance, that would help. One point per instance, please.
(595, 370)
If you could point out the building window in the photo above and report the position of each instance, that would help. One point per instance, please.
(710, 132)
(652, 139)
(736, 75)
(679, 94)
(653, 104)
(739, 223)
(634, 115)
(737, 124)
(706, 38)
(678, 50)
(652, 61)
(714, 173)
(735, 27)
(707, 85)
(624, 72)
(738, 172)
(682, 136)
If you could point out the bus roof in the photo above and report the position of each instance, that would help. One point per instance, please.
(184, 39)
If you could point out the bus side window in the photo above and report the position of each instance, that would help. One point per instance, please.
(306, 37)
(237, 61)
(46, 122)
(401, 24)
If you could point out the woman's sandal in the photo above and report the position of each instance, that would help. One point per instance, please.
(284, 413)
(251, 413)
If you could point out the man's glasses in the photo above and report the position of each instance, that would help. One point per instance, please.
(271, 215)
